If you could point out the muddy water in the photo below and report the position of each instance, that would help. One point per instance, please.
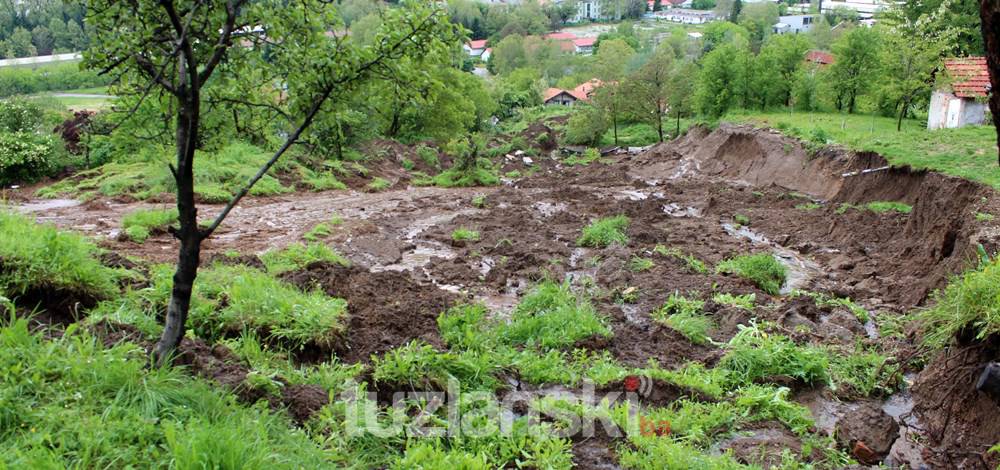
(800, 269)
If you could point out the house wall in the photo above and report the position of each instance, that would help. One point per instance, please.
(949, 111)
(561, 100)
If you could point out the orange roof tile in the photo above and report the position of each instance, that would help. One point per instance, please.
(972, 79)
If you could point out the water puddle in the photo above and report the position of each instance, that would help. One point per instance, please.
(675, 210)
(800, 269)
(47, 205)
(549, 209)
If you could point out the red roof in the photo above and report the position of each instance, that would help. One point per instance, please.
(478, 44)
(561, 36)
(554, 92)
(584, 42)
(820, 57)
(587, 88)
(972, 79)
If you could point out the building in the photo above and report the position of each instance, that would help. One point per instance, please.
(558, 96)
(685, 16)
(820, 58)
(475, 48)
(793, 24)
(584, 46)
(571, 44)
(964, 104)
(866, 9)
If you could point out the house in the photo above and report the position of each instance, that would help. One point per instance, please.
(793, 24)
(584, 46)
(965, 103)
(558, 96)
(866, 9)
(820, 58)
(586, 10)
(475, 48)
(685, 16)
(554, 96)
(486, 54)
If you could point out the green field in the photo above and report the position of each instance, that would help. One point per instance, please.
(969, 152)
(93, 103)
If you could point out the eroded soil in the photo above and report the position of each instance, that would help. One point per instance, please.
(684, 195)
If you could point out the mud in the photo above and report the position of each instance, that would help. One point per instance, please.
(683, 194)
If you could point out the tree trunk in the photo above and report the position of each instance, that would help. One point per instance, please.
(614, 121)
(989, 13)
(678, 134)
(659, 123)
(902, 112)
(188, 234)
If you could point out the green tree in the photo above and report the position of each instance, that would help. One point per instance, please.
(758, 19)
(41, 37)
(718, 83)
(508, 55)
(681, 90)
(718, 33)
(779, 61)
(735, 11)
(657, 5)
(821, 33)
(609, 65)
(647, 90)
(162, 47)
(76, 39)
(586, 126)
(19, 44)
(60, 40)
(911, 55)
(857, 54)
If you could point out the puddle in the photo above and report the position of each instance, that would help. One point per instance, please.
(675, 210)
(800, 269)
(549, 209)
(631, 195)
(418, 257)
(47, 204)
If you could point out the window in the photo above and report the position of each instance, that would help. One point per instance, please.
(807, 20)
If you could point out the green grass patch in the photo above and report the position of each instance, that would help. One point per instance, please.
(552, 316)
(968, 152)
(602, 233)
(808, 206)
(479, 201)
(41, 260)
(463, 234)
(298, 256)
(378, 184)
(984, 217)
(745, 302)
(864, 373)
(686, 316)
(323, 229)
(826, 300)
(764, 270)
(639, 264)
(589, 156)
(143, 223)
(68, 402)
(970, 303)
(753, 355)
(741, 219)
(693, 263)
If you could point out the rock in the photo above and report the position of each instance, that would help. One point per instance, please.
(868, 432)
(527, 161)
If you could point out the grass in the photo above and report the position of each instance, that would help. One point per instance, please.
(378, 184)
(298, 256)
(41, 260)
(693, 263)
(741, 219)
(551, 316)
(639, 264)
(323, 229)
(686, 316)
(745, 302)
(808, 206)
(753, 355)
(589, 156)
(764, 270)
(969, 304)
(602, 233)
(968, 152)
(984, 217)
(463, 234)
(878, 207)
(141, 224)
(479, 201)
(218, 176)
(864, 373)
(825, 300)
(68, 402)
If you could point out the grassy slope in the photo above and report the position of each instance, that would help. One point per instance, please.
(967, 152)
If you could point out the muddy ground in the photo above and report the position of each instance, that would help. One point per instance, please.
(683, 194)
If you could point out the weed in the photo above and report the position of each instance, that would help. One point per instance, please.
(983, 217)
(589, 156)
(140, 224)
(808, 206)
(429, 156)
(463, 234)
(512, 175)
(479, 201)
(626, 295)
(297, 256)
(824, 300)
(764, 402)
(745, 302)
(864, 373)
(686, 316)
(378, 184)
(881, 207)
(763, 269)
(605, 232)
(694, 264)
(741, 220)
(639, 264)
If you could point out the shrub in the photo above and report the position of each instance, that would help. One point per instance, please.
(25, 156)
(604, 232)
(762, 269)
(429, 156)
(140, 224)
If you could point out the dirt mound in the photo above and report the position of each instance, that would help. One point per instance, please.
(960, 420)
(386, 309)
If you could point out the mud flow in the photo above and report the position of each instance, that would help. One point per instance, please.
(711, 195)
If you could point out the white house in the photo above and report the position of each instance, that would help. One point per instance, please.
(965, 103)
(475, 48)
(793, 24)
(685, 16)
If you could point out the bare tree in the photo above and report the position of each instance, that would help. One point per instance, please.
(989, 14)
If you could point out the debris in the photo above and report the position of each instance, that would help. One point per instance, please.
(865, 172)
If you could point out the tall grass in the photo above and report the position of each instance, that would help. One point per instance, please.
(764, 270)
(970, 303)
(605, 232)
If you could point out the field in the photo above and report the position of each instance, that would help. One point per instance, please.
(734, 300)
(968, 152)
